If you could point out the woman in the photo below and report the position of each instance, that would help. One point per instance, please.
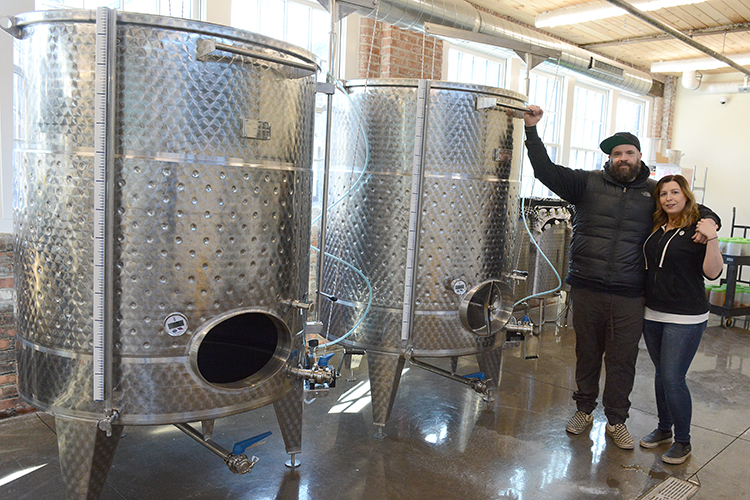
(676, 306)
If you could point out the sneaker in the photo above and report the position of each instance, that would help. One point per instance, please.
(578, 422)
(621, 436)
(656, 438)
(678, 453)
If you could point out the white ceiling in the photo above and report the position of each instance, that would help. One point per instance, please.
(721, 25)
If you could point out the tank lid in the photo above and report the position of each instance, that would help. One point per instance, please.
(175, 23)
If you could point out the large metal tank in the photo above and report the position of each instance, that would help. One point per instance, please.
(424, 204)
(208, 226)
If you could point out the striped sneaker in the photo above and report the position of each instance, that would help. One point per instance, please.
(579, 422)
(621, 436)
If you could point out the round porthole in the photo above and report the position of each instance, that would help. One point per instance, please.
(486, 308)
(240, 349)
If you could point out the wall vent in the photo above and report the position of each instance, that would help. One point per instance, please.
(606, 68)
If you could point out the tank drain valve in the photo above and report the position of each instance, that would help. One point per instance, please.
(478, 383)
(105, 424)
(317, 375)
(240, 464)
(237, 461)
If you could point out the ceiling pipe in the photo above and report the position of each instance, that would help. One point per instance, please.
(458, 14)
(691, 81)
(668, 29)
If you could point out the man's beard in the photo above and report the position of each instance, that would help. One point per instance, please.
(624, 175)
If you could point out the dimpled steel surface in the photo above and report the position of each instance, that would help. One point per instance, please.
(469, 198)
(207, 221)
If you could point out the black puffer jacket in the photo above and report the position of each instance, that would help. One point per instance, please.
(611, 222)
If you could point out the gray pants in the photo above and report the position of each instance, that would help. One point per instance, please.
(608, 326)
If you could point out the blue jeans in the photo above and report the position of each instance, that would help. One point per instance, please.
(672, 348)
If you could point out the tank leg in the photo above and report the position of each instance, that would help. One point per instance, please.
(490, 362)
(86, 455)
(385, 375)
(289, 414)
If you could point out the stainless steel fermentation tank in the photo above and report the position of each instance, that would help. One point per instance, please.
(426, 208)
(199, 285)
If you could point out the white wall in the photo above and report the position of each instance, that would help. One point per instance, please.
(717, 137)
(8, 8)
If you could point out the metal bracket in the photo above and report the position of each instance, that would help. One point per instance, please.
(325, 88)
(9, 25)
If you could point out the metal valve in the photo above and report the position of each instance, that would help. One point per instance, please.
(240, 464)
(317, 374)
(106, 423)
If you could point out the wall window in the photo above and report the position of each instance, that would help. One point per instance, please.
(630, 116)
(467, 67)
(545, 92)
(302, 23)
(188, 9)
(588, 130)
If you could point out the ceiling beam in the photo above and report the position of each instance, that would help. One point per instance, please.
(656, 37)
(676, 34)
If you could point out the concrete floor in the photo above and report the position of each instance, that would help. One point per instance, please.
(443, 442)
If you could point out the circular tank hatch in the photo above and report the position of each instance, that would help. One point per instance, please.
(240, 349)
(486, 308)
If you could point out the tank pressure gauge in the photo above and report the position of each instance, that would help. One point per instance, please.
(176, 324)
(459, 287)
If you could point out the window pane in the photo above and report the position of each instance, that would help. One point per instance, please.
(245, 15)
(298, 25)
(93, 4)
(321, 27)
(544, 91)
(464, 67)
(272, 18)
(629, 116)
(173, 8)
(453, 56)
(147, 7)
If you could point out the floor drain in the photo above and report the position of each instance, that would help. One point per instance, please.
(671, 489)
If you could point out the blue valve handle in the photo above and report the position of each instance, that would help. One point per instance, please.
(479, 375)
(239, 448)
(323, 360)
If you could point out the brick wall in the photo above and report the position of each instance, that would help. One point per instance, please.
(667, 114)
(10, 403)
(386, 51)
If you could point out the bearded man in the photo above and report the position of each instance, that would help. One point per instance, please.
(613, 210)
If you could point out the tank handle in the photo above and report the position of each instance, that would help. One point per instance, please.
(494, 102)
(207, 46)
(9, 25)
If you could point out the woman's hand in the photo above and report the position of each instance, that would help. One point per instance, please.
(705, 230)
